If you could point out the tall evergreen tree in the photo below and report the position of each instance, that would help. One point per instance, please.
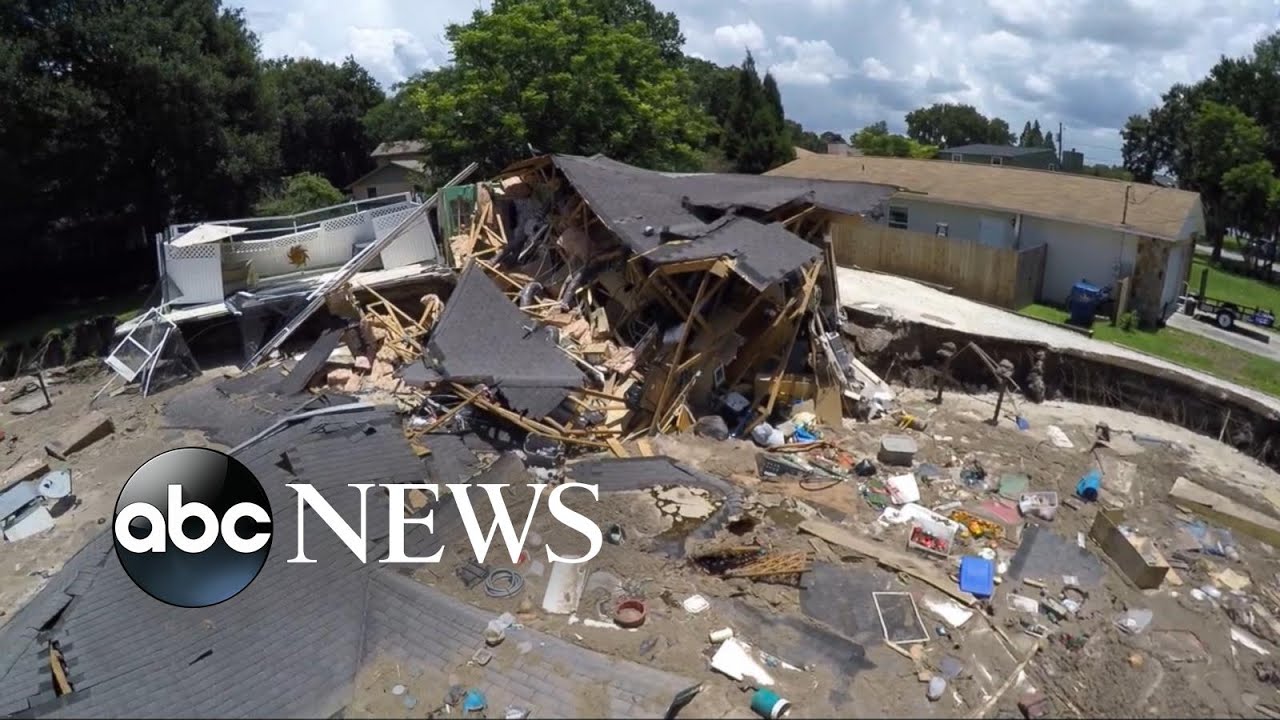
(1026, 134)
(783, 147)
(1036, 138)
(1048, 141)
(750, 137)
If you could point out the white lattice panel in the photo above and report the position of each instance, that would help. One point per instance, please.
(415, 245)
(391, 209)
(197, 273)
(388, 222)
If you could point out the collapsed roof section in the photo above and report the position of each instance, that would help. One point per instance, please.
(763, 254)
(482, 337)
(630, 200)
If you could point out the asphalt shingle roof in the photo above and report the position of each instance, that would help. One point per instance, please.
(763, 254)
(628, 199)
(1114, 204)
(993, 150)
(292, 643)
(483, 337)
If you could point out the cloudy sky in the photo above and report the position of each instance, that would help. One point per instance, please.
(843, 64)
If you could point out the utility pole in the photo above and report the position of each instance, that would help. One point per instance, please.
(1059, 146)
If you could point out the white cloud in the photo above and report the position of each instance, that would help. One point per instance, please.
(874, 69)
(389, 52)
(812, 62)
(1086, 63)
(743, 36)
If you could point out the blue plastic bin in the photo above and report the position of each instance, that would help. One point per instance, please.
(977, 576)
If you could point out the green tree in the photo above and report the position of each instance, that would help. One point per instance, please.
(1035, 138)
(835, 137)
(398, 116)
(875, 140)
(1048, 141)
(1251, 198)
(302, 192)
(951, 125)
(636, 16)
(118, 117)
(555, 76)
(322, 108)
(751, 139)
(783, 147)
(1222, 140)
(807, 139)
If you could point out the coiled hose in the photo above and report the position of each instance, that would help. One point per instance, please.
(503, 583)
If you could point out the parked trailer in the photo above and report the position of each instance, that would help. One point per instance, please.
(1225, 313)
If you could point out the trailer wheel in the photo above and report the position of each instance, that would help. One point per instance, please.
(1226, 319)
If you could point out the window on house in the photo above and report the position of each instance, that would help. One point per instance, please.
(372, 192)
(956, 157)
(898, 218)
(1052, 167)
(997, 161)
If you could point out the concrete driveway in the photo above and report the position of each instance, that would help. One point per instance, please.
(1206, 329)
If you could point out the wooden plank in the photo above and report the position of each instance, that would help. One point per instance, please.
(645, 447)
(890, 557)
(1222, 509)
(617, 448)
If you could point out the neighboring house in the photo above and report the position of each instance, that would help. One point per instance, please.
(1095, 229)
(1033, 158)
(401, 166)
(843, 149)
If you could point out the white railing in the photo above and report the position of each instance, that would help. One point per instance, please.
(325, 238)
(274, 225)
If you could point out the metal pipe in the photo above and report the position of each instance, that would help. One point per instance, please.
(299, 417)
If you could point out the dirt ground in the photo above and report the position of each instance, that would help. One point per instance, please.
(98, 472)
(1185, 663)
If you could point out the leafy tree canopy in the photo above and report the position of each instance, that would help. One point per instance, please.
(554, 76)
(951, 125)
(302, 192)
(322, 110)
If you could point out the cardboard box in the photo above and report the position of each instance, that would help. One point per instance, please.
(1139, 561)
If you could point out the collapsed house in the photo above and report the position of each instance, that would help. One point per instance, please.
(598, 301)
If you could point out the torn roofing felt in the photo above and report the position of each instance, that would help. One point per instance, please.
(482, 337)
(763, 253)
(628, 199)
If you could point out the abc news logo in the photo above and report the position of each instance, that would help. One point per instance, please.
(192, 526)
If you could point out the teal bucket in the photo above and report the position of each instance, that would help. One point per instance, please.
(767, 704)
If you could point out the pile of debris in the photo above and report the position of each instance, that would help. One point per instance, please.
(598, 302)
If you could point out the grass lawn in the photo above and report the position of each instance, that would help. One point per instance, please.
(1183, 348)
(1241, 289)
(38, 325)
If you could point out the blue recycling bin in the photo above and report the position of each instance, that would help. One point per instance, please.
(1083, 303)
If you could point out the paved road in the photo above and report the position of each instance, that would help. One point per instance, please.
(1226, 337)
(912, 301)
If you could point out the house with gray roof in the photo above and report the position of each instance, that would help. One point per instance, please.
(987, 154)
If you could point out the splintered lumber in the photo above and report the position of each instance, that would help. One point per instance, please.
(532, 426)
(617, 448)
(790, 563)
(889, 557)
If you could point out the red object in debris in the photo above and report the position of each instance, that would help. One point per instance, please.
(630, 613)
(927, 541)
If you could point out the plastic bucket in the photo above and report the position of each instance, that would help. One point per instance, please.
(1089, 486)
(767, 704)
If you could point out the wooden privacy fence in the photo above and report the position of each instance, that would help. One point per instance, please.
(1009, 278)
